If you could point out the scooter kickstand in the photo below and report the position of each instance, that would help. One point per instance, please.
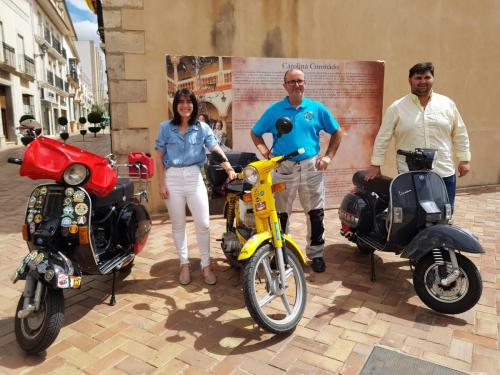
(112, 301)
(372, 261)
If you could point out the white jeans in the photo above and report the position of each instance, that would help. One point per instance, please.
(185, 185)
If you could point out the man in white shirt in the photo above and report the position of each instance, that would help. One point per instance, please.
(424, 119)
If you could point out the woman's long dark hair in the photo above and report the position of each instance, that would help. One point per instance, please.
(177, 97)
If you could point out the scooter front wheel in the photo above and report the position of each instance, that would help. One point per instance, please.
(274, 308)
(38, 331)
(458, 297)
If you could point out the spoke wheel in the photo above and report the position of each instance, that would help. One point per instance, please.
(39, 330)
(274, 308)
(458, 297)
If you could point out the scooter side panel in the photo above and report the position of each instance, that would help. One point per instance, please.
(440, 235)
(254, 242)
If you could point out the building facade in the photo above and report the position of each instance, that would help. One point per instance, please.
(40, 68)
(18, 88)
(92, 65)
(55, 38)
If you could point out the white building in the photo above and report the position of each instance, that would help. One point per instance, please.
(92, 63)
(18, 89)
(55, 37)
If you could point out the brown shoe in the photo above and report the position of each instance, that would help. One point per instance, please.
(208, 275)
(185, 274)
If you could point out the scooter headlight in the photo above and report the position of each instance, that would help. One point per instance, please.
(251, 175)
(75, 174)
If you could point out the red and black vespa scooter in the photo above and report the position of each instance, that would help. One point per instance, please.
(89, 222)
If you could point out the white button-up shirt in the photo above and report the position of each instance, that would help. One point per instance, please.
(437, 126)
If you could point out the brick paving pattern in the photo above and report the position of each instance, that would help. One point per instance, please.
(161, 327)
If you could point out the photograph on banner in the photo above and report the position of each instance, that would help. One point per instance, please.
(234, 92)
(210, 79)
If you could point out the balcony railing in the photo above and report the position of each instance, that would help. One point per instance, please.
(26, 65)
(46, 34)
(56, 44)
(59, 83)
(9, 55)
(50, 77)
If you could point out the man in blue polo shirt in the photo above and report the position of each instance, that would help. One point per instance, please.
(302, 174)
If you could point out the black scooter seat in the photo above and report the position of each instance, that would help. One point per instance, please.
(238, 186)
(124, 190)
(379, 185)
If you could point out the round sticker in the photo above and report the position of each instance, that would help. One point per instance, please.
(38, 258)
(30, 217)
(64, 231)
(81, 209)
(38, 218)
(73, 228)
(68, 201)
(32, 228)
(81, 220)
(79, 196)
(69, 192)
(68, 211)
(66, 222)
(39, 200)
(43, 190)
(32, 202)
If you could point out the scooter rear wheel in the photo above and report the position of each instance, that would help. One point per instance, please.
(39, 330)
(456, 298)
(274, 309)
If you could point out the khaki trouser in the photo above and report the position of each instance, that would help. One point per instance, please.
(304, 178)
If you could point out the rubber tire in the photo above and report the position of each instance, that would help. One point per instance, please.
(472, 295)
(364, 249)
(233, 261)
(249, 294)
(54, 305)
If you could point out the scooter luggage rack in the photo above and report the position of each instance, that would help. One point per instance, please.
(138, 173)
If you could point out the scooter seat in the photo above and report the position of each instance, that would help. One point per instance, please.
(238, 186)
(123, 191)
(379, 185)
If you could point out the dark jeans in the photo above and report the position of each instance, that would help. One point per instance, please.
(451, 187)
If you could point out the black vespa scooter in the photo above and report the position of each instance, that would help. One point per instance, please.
(411, 215)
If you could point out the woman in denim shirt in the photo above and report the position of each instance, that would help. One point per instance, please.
(180, 155)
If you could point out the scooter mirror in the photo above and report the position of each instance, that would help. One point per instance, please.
(26, 140)
(283, 126)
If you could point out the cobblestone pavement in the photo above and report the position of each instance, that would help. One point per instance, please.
(158, 326)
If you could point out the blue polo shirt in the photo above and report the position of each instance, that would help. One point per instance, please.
(308, 119)
(184, 150)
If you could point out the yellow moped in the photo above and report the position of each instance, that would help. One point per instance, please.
(274, 284)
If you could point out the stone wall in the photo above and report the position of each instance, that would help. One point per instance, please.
(459, 36)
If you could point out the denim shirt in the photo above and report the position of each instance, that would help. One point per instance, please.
(184, 150)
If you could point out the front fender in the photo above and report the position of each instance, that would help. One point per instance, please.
(254, 242)
(441, 235)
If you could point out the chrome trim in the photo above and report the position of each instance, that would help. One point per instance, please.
(89, 224)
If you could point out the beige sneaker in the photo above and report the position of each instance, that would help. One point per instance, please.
(208, 275)
(185, 274)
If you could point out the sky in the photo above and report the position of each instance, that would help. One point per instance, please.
(84, 21)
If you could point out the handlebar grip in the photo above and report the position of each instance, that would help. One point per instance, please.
(404, 153)
(300, 151)
(17, 161)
